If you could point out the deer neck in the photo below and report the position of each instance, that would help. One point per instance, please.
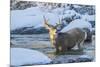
(52, 35)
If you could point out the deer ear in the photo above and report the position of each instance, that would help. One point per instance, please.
(59, 25)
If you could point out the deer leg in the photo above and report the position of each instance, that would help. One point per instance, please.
(57, 49)
(69, 49)
(76, 46)
(80, 45)
(63, 48)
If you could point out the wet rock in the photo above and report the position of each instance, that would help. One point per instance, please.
(56, 62)
(71, 60)
(84, 58)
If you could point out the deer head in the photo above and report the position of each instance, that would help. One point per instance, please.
(52, 29)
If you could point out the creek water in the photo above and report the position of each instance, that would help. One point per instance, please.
(41, 42)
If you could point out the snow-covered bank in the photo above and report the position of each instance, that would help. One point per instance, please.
(79, 23)
(88, 17)
(34, 17)
(22, 56)
(31, 17)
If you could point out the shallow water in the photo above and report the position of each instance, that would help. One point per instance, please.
(42, 43)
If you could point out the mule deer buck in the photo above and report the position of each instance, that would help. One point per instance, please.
(67, 40)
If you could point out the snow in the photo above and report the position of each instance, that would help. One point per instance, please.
(93, 29)
(34, 17)
(70, 13)
(76, 6)
(58, 10)
(22, 56)
(28, 11)
(78, 23)
(88, 17)
(27, 17)
(31, 17)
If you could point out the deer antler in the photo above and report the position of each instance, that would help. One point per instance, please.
(59, 25)
(59, 22)
(46, 23)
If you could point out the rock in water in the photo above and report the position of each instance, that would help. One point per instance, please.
(84, 58)
(71, 61)
(22, 56)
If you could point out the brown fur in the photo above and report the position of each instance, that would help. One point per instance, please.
(68, 40)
